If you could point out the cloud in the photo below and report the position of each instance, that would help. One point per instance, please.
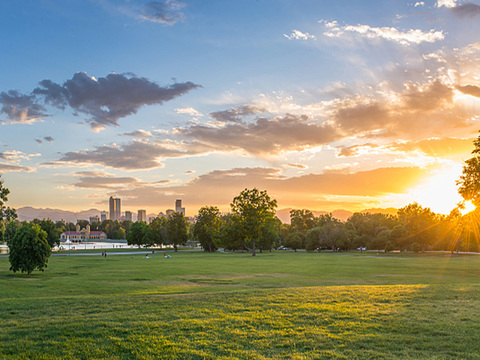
(412, 36)
(298, 35)
(166, 12)
(264, 136)
(139, 134)
(419, 3)
(235, 115)
(105, 182)
(48, 138)
(421, 110)
(189, 111)
(470, 90)
(468, 10)
(20, 108)
(445, 148)
(446, 3)
(137, 155)
(15, 155)
(14, 168)
(298, 166)
(108, 99)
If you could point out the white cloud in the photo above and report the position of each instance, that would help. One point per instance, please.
(412, 36)
(446, 3)
(298, 35)
(419, 3)
(189, 111)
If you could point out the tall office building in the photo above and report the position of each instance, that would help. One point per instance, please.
(142, 215)
(103, 215)
(178, 207)
(118, 209)
(128, 215)
(115, 208)
(94, 219)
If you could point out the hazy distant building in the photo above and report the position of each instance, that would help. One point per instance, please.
(128, 215)
(142, 215)
(83, 235)
(103, 215)
(178, 207)
(170, 212)
(115, 208)
(94, 219)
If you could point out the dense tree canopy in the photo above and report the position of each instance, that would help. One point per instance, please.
(207, 228)
(29, 249)
(254, 211)
(176, 230)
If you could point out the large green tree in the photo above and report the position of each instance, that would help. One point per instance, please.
(29, 249)
(176, 230)
(254, 212)
(207, 228)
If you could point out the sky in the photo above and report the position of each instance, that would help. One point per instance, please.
(325, 104)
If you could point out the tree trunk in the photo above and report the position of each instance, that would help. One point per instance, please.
(175, 247)
(253, 249)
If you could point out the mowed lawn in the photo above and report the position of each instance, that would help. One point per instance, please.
(280, 305)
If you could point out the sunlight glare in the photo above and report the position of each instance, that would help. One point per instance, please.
(439, 192)
(468, 207)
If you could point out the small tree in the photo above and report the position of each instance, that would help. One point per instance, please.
(29, 249)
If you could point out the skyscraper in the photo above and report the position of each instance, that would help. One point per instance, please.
(118, 209)
(128, 215)
(178, 207)
(142, 215)
(112, 208)
(115, 208)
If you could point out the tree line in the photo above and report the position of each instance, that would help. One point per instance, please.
(252, 225)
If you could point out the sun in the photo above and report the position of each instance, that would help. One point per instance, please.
(439, 192)
(467, 208)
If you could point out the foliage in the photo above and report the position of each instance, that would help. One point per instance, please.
(10, 230)
(29, 249)
(302, 220)
(176, 230)
(155, 233)
(207, 228)
(419, 223)
(469, 182)
(53, 235)
(5, 212)
(254, 211)
(136, 233)
(231, 233)
(295, 240)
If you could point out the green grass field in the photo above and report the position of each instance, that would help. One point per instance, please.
(235, 306)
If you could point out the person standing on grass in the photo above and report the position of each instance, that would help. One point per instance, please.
(153, 254)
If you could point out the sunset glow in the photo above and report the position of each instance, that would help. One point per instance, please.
(326, 105)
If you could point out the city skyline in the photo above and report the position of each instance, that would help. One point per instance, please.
(326, 105)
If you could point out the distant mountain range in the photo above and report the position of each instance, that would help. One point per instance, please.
(29, 213)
